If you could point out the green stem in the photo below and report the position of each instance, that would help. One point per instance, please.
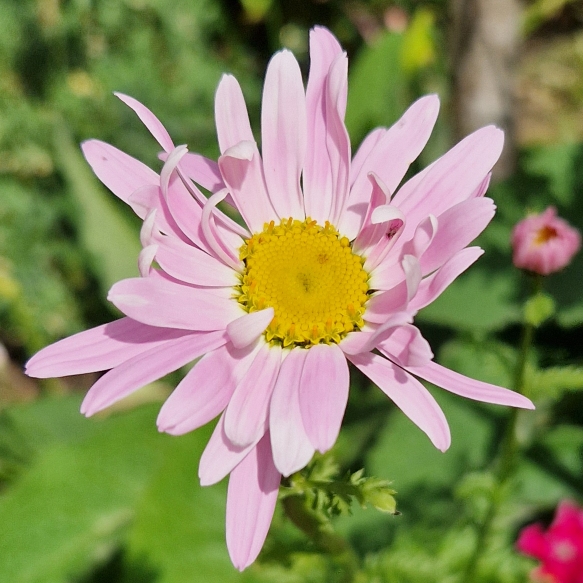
(327, 541)
(508, 449)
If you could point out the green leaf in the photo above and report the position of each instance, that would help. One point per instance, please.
(179, 527)
(70, 509)
(95, 486)
(477, 302)
(553, 381)
(376, 91)
(538, 309)
(104, 231)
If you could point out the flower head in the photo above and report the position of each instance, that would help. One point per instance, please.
(336, 258)
(560, 548)
(544, 243)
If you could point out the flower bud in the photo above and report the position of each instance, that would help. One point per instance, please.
(544, 243)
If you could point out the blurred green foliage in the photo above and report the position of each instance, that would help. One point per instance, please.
(110, 500)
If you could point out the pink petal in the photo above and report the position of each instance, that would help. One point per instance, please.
(318, 180)
(433, 286)
(451, 179)
(406, 347)
(121, 173)
(458, 227)
(214, 237)
(357, 342)
(205, 391)
(251, 499)
(401, 144)
(338, 142)
(149, 120)
(150, 197)
(158, 302)
(372, 232)
(203, 171)
(291, 446)
(220, 456)
(324, 394)
(191, 265)
(248, 328)
(231, 114)
(466, 387)
(242, 172)
(384, 304)
(246, 415)
(422, 238)
(146, 258)
(364, 150)
(533, 542)
(146, 368)
(408, 394)
(98, 349)
(283, 134)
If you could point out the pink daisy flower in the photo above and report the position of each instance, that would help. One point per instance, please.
(334, 262)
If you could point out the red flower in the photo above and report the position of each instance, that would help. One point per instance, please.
(560, 548)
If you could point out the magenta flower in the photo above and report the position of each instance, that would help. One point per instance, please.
(560, 548)
(334, 262)
(544, 243)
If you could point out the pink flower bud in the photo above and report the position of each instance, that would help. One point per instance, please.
(544, 243)
(559, 548)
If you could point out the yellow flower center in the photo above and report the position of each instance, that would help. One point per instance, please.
(311, 278)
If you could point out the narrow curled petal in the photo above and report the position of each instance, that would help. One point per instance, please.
(466, 387)
(324, 394)
(401, 144)
(121, 173)
(212, 234)
(99, 349)
(246, 329)
(246, 415)
(146, 368)
(434, 285)
(145, 259)
(205, 391)
(406, 347)
(458, 227)
(408, 394)
(159, 302)
(220, 456)
(357, 342)
(149, 120)
(283, 133)
(242, 172)
(396, 299)
(251, 499)
(203, 171)
(291, 446)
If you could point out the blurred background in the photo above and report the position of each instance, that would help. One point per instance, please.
(111, 500)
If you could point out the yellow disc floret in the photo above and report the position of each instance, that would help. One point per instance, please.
(311, 278)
